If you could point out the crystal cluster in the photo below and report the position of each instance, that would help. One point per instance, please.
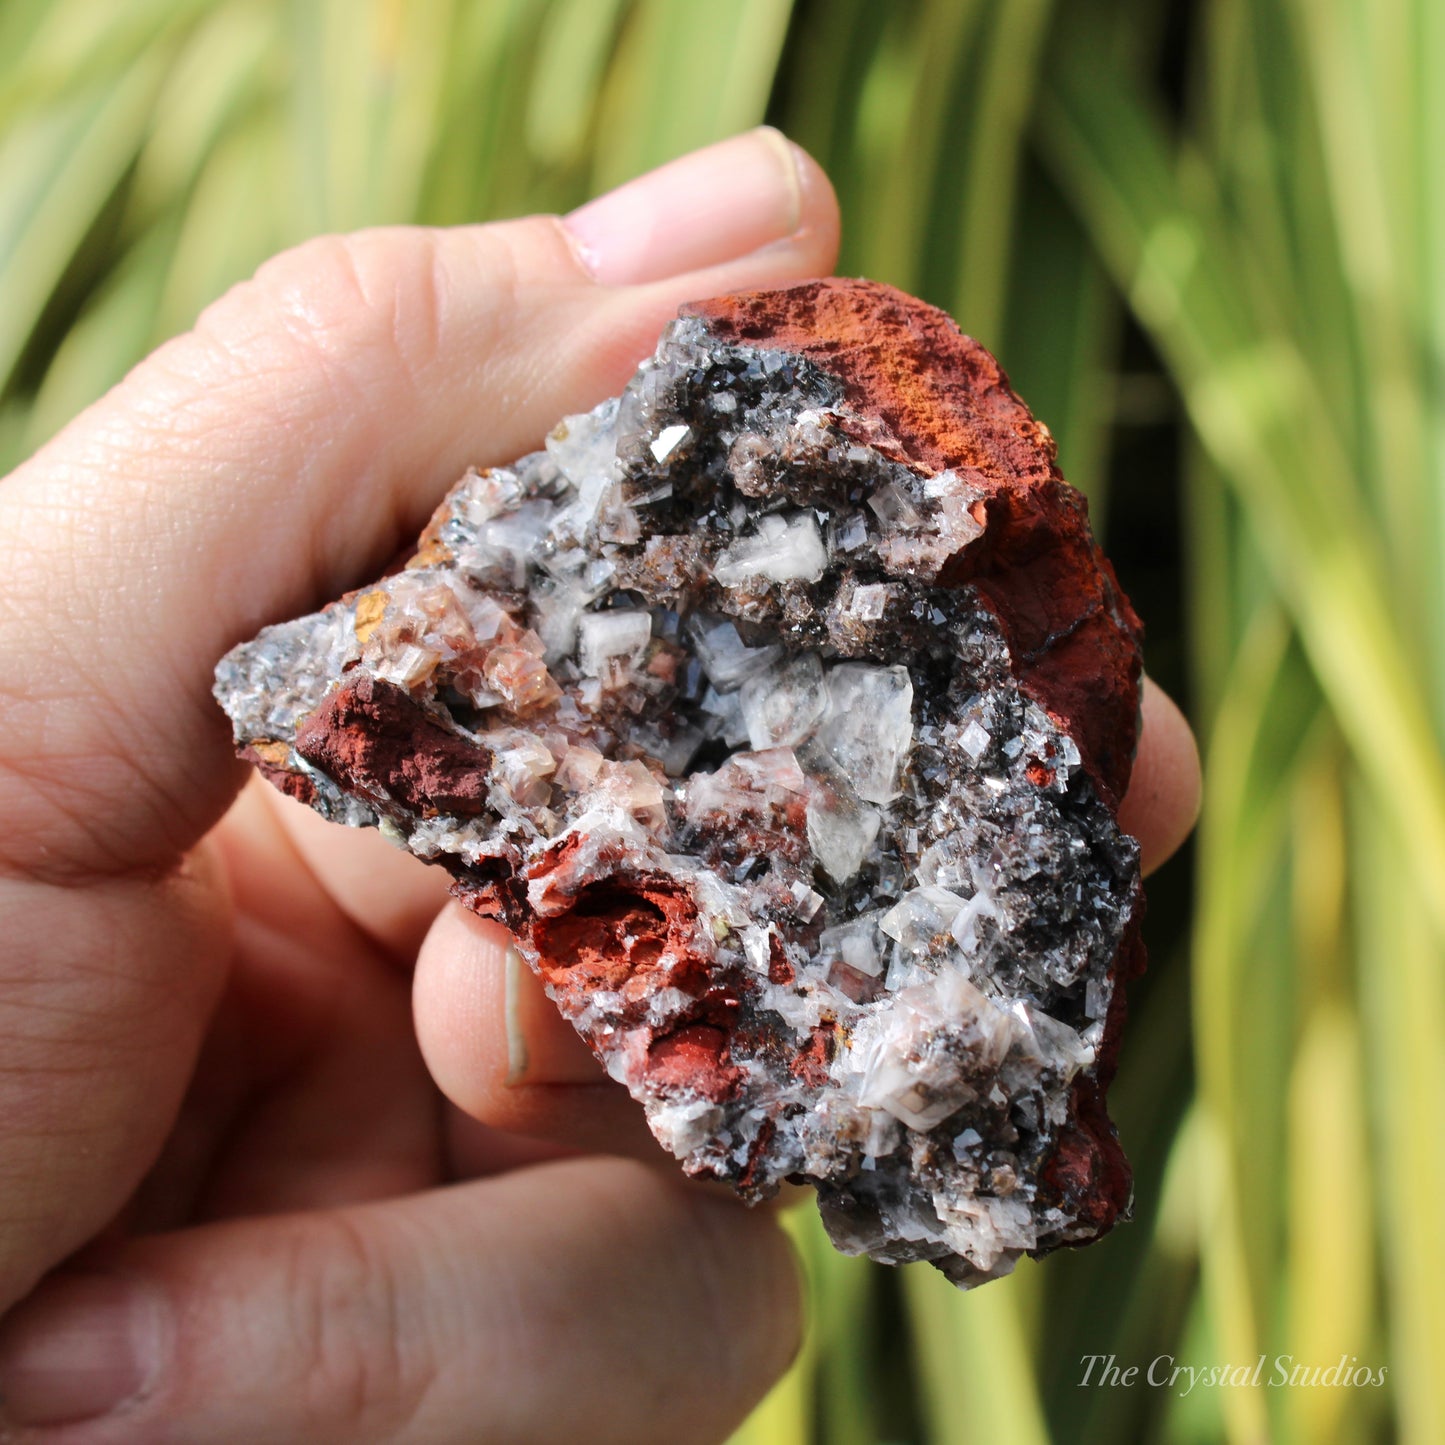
(781, 707)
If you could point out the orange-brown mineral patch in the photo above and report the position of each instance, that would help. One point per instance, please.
(811, 1063)
(694, 1057)
(621, 934)
(272, 762)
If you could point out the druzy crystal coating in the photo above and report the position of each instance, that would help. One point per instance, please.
(781, 707)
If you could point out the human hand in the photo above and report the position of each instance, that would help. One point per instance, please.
(233, 1204)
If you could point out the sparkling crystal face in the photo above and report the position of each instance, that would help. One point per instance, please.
(685, 699)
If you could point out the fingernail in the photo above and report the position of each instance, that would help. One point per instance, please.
(81, 1346)
(513, 977)
(728, 200)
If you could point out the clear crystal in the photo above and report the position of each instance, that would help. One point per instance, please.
(840, 832)
(725, 657)
(781, 549)
(783, 705)
(869, 726)
(609, 638)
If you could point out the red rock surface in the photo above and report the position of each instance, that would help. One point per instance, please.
(372, 737)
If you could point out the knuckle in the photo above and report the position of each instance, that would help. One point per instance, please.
(336, 285)
(333, 301)
(393, 306)
(362, 1373)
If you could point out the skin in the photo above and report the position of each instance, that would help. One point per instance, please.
(270, 1166)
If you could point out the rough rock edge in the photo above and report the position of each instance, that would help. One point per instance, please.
(920, 394)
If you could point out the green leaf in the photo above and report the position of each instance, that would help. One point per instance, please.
(683, 77)
(577, 44)
(57, 171)
(1402, 993)
(974, 1347)
(113, 332)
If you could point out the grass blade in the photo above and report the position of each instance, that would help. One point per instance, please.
(683, 77)
(56, 175)
(1254, 405)
(976, 1347)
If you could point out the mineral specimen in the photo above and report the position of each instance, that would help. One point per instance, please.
(781, 707)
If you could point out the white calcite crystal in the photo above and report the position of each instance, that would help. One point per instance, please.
(785, 704)
(780, 549)
(868, 731)
(761, 713)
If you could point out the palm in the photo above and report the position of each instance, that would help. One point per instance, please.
(310, 1089)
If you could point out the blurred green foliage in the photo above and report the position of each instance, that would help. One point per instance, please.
(1208, 241)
